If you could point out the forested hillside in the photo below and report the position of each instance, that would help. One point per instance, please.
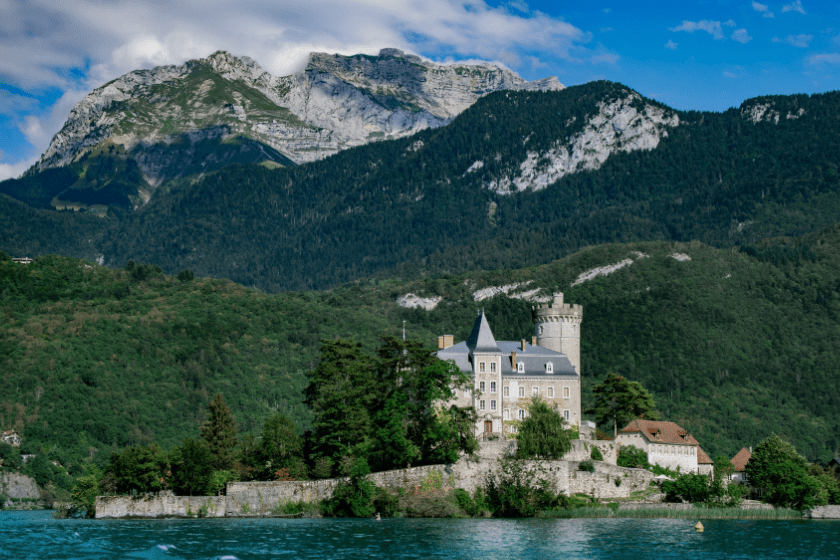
(412, 205)
(734, 344)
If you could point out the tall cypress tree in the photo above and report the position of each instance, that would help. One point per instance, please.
(219, 431)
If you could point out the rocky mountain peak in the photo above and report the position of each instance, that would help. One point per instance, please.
(336, 102)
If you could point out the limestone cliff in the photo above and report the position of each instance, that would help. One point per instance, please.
(336, 102)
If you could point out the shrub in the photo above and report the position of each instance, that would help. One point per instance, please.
(587, 466)
(352, 498)
(632, 457)
(596, 455)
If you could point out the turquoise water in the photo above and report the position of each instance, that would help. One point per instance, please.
(37, 535)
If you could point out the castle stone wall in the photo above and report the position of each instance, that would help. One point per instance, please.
(16, 485)
(154, 506)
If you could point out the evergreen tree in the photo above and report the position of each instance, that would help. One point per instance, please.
(542, 435)
(192, 466)
(618, 400)
(219, 431)
(339, 392)
(282, 448)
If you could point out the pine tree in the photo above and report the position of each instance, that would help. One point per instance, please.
(219, 431)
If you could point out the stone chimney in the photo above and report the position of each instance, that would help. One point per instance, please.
(513, 360)
(445, 341)
(523, 344)
(533, 341)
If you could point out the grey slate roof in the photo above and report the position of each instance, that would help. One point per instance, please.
(481, 338)
(534, 357)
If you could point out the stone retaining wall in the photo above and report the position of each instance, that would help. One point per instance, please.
(824, 512)
(153, 506)
(16, 485)
(266, 498)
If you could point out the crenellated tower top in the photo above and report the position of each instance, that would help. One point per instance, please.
(557, 327)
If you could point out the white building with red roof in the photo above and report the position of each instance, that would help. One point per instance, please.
(739, 465)
(666, 444)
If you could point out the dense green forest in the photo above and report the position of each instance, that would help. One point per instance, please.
(733, 344)
(408, 208)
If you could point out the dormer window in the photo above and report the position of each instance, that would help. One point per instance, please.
(520, 367)
(549, 367)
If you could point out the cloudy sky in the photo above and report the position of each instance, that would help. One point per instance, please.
(693, 54)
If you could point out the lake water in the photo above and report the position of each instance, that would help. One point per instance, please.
(37, 535)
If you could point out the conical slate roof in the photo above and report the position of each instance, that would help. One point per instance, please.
(481, 338)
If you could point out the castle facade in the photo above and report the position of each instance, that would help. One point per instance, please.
(507, 375)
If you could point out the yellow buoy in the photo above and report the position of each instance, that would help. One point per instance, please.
(699, 527)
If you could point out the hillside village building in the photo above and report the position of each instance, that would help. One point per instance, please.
(508, 374)
(667, 445)
(739, 465)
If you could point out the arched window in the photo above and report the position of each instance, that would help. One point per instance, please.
(522, 391)
(507, 414)
(520, 367)
(549, 367)
(541, 329)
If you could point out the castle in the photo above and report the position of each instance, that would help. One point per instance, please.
(508, 374)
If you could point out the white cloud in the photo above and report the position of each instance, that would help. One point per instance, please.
(794, 7)
(729, 74)
(713, 28)
(741, 36)
(12, 103)
(800, 41)
(729, 23)
(15, 170)
(605, 29)
(762, 9)
(671, 45)
(824, 58)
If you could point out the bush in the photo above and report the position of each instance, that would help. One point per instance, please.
(596, 455)
(587, 466)
(352, 498)
(517, 488)
(632, 457)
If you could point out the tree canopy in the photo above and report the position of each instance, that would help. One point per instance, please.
(619, 400)
(543, 434)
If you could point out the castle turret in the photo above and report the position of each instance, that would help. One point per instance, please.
(557, 326)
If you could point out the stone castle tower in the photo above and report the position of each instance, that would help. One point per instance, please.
(557, 327)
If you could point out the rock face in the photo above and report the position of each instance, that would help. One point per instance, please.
(336, 102)
(623, 125)
(16, 485)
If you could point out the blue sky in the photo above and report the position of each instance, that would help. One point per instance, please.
(708, 55)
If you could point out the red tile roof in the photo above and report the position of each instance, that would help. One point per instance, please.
(660, 432)
(739, 461)
(702, 458)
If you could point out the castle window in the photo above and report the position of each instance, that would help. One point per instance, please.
(551, 392)
(566, 392)
(506, 392)
(492, 386)
(549, 367)
(467, 393)
(574, 328)
(481, 405)
(541, 329)
(506, 414)
(481, 367)
(520, 367)
(492, 367)
(521, 414)
(522, 391)
(481, 386)
(535, 391)
(566, 415)
(492, 405)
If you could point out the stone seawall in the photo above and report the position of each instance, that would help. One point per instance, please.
(154, 506)
(20, 486)
(824, 512)
(246, 499)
